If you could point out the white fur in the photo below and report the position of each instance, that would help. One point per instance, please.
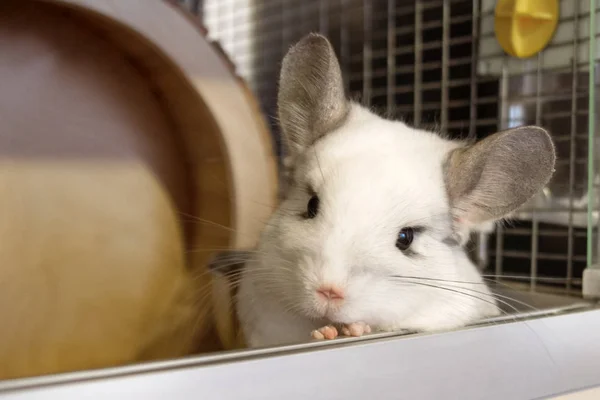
(373, 177)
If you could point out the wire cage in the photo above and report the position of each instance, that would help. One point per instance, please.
(437, 65)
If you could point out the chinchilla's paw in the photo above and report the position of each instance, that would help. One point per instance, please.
(330, 332)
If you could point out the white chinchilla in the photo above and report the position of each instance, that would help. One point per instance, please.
(369, 233)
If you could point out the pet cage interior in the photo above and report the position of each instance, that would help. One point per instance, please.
(435, 64)
(438, 65)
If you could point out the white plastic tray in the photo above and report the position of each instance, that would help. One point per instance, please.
(527, 359)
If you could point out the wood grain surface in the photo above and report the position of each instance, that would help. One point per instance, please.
(128, 153)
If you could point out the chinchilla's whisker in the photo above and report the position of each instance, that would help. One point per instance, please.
(495, 305)
(471, 290)
(438, 279)
(455, 291)
(518, 277)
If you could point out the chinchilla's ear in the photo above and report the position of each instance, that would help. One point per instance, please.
(490, 179)
(311, 97)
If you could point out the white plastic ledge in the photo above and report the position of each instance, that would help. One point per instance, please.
(591, 282)
(521, 360)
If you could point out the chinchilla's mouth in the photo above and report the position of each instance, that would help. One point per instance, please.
(322, 315)
(335, 317)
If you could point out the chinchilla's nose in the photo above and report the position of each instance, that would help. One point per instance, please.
(330, 293)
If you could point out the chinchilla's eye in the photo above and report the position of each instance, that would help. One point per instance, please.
(312, 208)
(405, 238)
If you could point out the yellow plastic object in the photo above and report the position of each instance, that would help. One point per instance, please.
(524, 27)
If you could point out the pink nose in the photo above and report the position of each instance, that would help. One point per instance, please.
(330, 293)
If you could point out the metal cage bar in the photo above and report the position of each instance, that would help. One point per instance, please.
(436, 64)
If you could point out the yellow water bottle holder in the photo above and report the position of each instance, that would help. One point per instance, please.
(525, 27)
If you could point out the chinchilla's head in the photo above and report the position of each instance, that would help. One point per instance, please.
(369, 199)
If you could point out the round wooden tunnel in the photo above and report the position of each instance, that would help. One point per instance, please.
(129, 151)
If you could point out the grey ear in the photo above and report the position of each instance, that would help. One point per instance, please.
(494, 177)
(311, 98)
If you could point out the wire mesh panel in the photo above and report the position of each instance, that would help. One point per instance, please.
(437, 65)
(411, 59)
(548, 240)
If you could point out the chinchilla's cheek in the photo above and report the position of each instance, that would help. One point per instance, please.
(423, 246)
(435, 245)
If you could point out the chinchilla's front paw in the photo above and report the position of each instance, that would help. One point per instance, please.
(330, 332)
